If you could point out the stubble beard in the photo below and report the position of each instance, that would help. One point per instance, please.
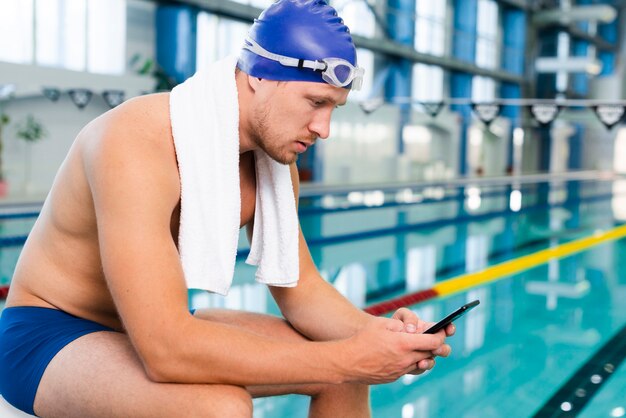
(269, 142)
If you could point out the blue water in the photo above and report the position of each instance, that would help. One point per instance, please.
(532, 331)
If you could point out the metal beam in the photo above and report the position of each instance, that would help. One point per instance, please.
(387, 47)
(231, 9)
(577, 33)
(518, 4)
(394, 49)
(580, 34)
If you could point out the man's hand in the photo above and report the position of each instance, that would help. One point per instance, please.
(382, 351)
(413, 324)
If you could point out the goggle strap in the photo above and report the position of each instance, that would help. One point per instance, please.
(318, 65)
(284, 60)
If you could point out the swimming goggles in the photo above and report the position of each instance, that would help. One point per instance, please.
(335, 71)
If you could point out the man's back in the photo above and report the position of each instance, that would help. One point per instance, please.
(60, 264)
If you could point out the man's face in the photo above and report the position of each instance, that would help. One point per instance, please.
(288, 117)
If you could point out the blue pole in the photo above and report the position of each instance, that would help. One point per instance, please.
(401, 26)
(463, 48)
(609, 33)
(514, 44)
(176, 28)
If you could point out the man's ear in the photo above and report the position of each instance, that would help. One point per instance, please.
(254, 82)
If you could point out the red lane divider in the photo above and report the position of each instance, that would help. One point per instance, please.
(393, 304)
(4, 292)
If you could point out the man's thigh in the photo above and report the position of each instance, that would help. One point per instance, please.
(100, 375)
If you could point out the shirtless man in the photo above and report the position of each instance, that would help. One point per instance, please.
(97, 324)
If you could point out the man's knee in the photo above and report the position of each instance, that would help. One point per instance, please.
(228, 401)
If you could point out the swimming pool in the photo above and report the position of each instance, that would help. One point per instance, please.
(545, 341)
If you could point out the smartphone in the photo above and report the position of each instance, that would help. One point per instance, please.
(452, 317)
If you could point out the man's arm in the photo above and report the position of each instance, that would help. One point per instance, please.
(318, 310)
(314, 307)
(134, 181)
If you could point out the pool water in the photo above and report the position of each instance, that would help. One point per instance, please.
(535, 331)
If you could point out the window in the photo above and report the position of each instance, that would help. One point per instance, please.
(206, 44)
(427, 83)
(487, 34)
(357, 16)
(106, 36)
(261, 4)
(81, 35)
(230, 36)
(61, 33)
(218, 37)
(16, 33)
(483, 89)
(430, 38)
(430, 21)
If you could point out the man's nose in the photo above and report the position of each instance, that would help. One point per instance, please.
(320, 125)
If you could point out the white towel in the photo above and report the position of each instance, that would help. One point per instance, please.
(204, 114)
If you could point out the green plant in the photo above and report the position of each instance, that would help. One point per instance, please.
(31, 130)
(148, 66)
(4, 120)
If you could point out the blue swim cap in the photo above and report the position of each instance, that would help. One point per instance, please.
(301, 29)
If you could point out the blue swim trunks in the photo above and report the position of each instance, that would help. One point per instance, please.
(29, 338)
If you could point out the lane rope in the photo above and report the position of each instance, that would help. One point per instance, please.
(497, 272)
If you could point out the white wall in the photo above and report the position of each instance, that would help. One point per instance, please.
(363, 148)
(62, 121)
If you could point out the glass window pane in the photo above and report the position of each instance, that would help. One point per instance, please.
(74, 32)
(487, 34)
(107, 36)
(483, 88)
(261, 4)
(206, 44)
(427, 83)
(48, 39)
(16, 31)
(359, 18)
(231, 34)
(430, 23)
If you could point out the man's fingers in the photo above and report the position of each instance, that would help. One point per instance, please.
(443, 351)
(393, 324)
(425, 342)
(426, 364)
(409, 319)
(423, 326)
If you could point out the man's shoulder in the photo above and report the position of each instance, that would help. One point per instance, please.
(143, 116)
(137, 131)
(138, 122)
(131, 148)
